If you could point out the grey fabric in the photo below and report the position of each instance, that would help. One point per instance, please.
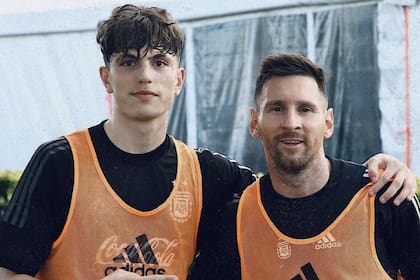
(227, 58)
(347, 49)
(226, 61)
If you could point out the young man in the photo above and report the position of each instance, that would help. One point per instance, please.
(124, 196)
(311, 216)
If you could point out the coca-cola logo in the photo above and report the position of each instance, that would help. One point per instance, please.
(161, 250)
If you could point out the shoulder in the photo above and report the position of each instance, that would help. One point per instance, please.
(347, 178)
(50, 166)
(223, 179)
(348, 166)
(348, 173)
(49, 162)
(210, 158)
(55, 150)
(218, 169)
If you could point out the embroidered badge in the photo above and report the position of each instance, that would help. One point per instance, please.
(181, 206)
(284, 250)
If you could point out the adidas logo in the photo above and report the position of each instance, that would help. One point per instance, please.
(138, 258)
(327, 242)
(308, 272)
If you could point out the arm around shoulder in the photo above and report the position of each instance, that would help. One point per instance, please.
(403, 180)
(222, 175)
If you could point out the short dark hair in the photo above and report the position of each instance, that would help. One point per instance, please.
(287, 64)
(137, 27)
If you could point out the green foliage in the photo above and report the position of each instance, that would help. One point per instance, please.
(8, 181)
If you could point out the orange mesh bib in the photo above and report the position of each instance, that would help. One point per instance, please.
(344, 250)
(102, 233)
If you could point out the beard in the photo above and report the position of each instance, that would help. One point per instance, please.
(291, 163)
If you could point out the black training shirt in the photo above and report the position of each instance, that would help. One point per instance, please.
(38, 209)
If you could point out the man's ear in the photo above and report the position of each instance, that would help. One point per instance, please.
(329, 123)
(104, 74)
(179, 81)
(253, 123)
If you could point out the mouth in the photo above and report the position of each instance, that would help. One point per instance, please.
(144, 93)
(291, 141)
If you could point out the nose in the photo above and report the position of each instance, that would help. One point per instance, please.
(144, 73)
(291, 120)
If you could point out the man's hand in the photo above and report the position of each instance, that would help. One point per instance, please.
(121, 274)
(398, 172)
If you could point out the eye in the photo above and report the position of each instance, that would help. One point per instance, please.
(161, 63)
(305, 109)
(277, 108)
(128, 63)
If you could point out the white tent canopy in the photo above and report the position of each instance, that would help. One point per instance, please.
(50, 83)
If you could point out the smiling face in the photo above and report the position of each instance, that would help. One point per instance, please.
(143, 85)
(292, 121)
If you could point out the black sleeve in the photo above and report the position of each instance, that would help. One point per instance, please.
(37, 211)
(223, 182)
(219, 257)
(407, 241)
(397, 236)
(223, 179)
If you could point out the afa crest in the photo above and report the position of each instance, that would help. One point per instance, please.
(181, 206)
(284, 250)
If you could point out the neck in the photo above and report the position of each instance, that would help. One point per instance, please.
(307, 182)
(135, 137)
